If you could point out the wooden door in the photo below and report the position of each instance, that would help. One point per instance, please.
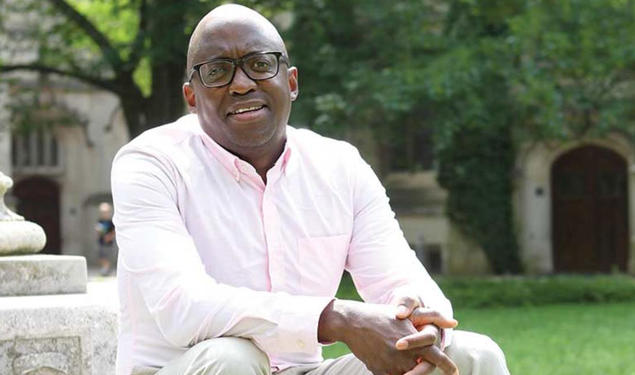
(590, 222)
(39, 202)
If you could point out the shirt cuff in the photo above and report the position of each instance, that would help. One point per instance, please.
(446, 338)
(297, 330)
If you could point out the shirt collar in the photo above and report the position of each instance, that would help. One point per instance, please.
(237, 166)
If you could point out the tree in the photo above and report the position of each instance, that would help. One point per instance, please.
(135, 49)
(360, 63)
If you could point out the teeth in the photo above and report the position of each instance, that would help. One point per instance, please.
(242, 110)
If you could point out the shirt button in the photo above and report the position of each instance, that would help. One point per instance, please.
(300, 344)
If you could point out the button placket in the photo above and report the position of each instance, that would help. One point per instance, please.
(275, 249)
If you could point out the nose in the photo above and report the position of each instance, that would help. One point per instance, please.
(241, 84)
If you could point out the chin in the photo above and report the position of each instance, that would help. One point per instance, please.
(247, 141)
(255, 136)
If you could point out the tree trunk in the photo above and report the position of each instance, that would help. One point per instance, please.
(133, 104)
(166, 103)
(166, 22)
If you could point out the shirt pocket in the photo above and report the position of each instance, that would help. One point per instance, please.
(322, 261)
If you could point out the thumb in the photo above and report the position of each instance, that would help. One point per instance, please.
(405, 306)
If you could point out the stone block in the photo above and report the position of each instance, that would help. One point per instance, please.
(73, 334)
(38, 274)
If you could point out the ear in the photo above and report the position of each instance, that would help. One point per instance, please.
(294, 90)
(190, 96)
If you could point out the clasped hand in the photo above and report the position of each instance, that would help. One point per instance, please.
(428, 323)
(396, 340)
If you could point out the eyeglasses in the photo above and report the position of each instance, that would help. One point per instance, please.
(258, 66)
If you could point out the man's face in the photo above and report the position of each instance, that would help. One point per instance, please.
(246, 116)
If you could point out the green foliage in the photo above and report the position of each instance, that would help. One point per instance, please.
(475, 147)
(485, 75)
(360, 62)
(135, 49)
(574, 72)
(516, 291)
(524, 291)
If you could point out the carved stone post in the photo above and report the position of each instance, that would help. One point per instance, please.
(17, 236)
(48, 323)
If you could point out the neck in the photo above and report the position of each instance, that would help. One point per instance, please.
(261, 158)
(262, 163)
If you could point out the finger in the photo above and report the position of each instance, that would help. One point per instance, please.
(439, 359)
(424, 315)
(405, 306)
(422, 368)
(428, 335)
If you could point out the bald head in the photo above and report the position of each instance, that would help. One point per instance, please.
(212, 30)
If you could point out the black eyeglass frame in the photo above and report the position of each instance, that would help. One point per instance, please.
(280, 58)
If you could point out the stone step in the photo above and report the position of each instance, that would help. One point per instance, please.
(41, 274)
(70, 334)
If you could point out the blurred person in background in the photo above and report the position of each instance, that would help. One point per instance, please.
(105, 229)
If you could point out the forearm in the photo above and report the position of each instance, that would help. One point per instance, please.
(334, 322)
(192, 307)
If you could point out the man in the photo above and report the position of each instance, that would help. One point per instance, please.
(234, 230)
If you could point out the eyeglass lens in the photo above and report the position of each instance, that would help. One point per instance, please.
(257, 67)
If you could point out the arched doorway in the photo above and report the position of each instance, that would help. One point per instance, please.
(38, 200)
(589, 205)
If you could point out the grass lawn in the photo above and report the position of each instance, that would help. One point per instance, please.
(562, 339)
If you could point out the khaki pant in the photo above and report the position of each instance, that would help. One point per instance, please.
(473, 354)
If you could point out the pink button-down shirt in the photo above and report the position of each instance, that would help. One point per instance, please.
(208, 250)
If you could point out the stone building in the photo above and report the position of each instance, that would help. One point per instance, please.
(62, 172)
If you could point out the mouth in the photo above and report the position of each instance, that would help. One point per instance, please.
(248, 112)
(253, 108)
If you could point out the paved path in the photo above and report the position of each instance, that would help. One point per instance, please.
(103, 288)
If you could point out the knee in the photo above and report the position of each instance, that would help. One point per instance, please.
(477, 354)
(230, 356)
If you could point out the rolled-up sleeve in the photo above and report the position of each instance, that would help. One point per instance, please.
(160, 258)
(380, 260)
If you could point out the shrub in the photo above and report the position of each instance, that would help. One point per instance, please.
(525, 290)
(543, 290)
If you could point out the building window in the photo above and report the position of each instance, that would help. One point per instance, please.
(36, 151)
(430, 256)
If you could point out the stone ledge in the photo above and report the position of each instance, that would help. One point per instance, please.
(40, 274)
(73, 334)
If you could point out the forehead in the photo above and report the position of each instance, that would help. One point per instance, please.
(235, 38)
